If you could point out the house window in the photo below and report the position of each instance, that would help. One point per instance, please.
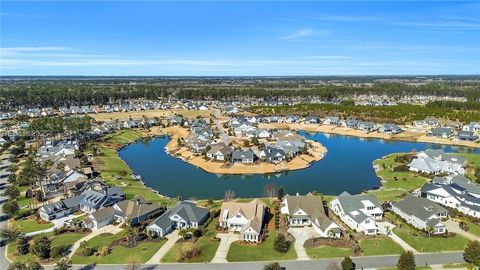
(238, 216)
(370, 208)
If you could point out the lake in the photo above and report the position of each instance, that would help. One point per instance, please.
(346, 167)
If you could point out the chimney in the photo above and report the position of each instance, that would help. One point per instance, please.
(105, 190)
(138, 201)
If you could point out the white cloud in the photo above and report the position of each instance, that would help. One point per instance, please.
(302, 33)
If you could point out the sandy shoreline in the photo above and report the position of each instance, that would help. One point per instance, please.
(315, 153)
(409, 134)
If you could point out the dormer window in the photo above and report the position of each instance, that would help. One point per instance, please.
(370, 208)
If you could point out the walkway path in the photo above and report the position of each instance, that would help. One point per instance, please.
(382, 227)
(172, 239)
(301, 235)
(226, 239)
(453, 226)
(107, 229)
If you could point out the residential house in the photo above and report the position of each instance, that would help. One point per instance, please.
(243, 156)
(390, 129)
(443, 133)
(436, 162)
(454, 191)
(244, 218)
(272, 154)
(184, 215)
(422, 213)
(308, 210)
(359, 212)
(331, 120)
(99, 219)
(135, 211)
(365, 126)
(312, 120)
(219, 151)
(473, 126)
(469, 136)
(427, 123)
(350, 123)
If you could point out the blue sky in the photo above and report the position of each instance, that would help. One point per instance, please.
(235, 38)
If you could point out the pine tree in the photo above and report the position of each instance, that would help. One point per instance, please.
(406, 261)
(472, 253)
(347, 264)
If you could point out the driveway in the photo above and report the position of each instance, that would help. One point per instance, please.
(301, 235)
(226, 239)
(172, 239)
(382, 228)
(453, 226)
(107, 229)
(57, 223)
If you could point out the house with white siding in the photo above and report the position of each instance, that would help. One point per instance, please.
(359, 212)
(244, 218)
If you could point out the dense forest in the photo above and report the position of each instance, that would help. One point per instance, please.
(14, 94)
(398, 114)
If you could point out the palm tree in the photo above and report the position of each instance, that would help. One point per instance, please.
(430, 230)
(84, 245)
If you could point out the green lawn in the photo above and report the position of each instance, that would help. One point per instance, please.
(395, 184)
(473, 229)
(473, 162)
(429, 244)
(206, 244)
(31, 225)
(263, 252)
(125, 136)
(140, 253)
(379, 245)
(65, 240)
(327, 252)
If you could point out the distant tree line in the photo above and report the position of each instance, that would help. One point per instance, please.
(65, 93)
(399, 114)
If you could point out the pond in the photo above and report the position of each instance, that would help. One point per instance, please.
(346, 167)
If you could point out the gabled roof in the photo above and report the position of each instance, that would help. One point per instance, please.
(419, 207)
(351, 204)
(253, 211)
(312, 205)
(136, 208)
(186, 210)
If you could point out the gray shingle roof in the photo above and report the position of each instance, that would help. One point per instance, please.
(419, 207)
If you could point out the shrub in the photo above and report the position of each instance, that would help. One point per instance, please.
(281, 244)
(41, 247)
(58, 252)
(347, 264)
(471, 253)
(401, 168)
(22, 245)
(272, 266)
(406, 261)
(188, 254)
(88, 251)
(104, 251)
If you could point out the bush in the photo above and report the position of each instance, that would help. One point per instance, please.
(347, 264)
(104, 251)
(41, 247)
(88, 251)
(272, 266)
(58, 252)
(188, 254)
(23, 245)
(281, 244)
(472, 253)
(401, 168)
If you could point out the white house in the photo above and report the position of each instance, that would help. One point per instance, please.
(359, 212)
(308, 210)
(421, 213)
(244, 218)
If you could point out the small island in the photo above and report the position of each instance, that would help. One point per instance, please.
(224, 147)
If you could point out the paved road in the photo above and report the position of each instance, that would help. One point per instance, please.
(3, 218)
(361, 262)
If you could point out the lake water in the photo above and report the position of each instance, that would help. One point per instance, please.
(346, 167)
